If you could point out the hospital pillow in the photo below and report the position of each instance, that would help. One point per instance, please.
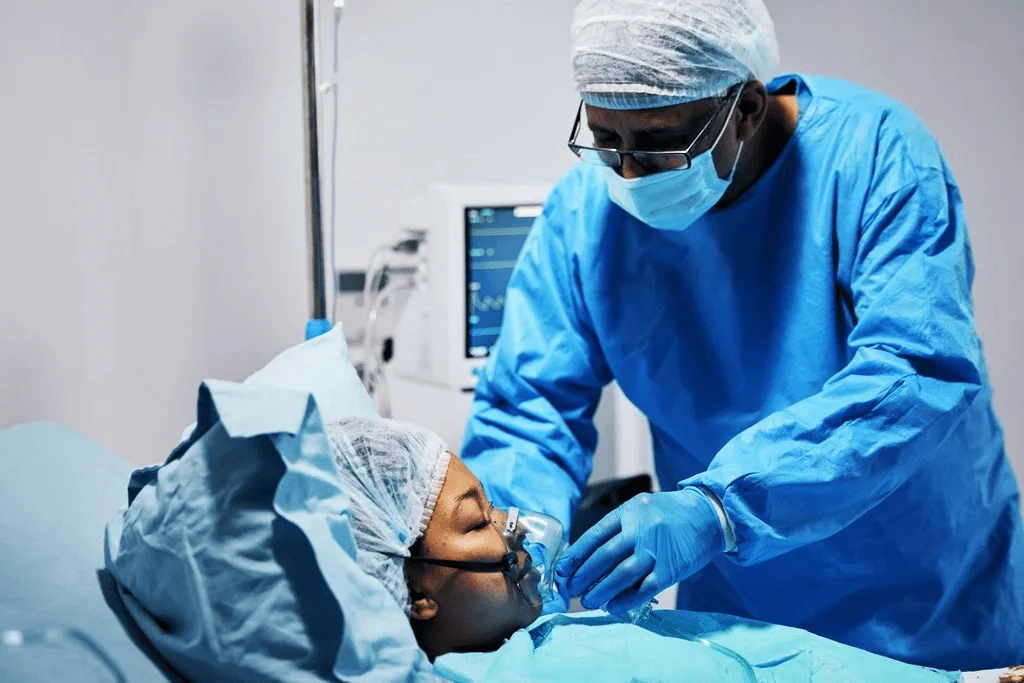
(322, 367)
(236, 557)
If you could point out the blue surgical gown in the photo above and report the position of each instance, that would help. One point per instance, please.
(809, 354)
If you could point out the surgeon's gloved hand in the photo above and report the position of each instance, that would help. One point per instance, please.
(638, 550)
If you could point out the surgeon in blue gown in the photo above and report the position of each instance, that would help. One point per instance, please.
(778, 274)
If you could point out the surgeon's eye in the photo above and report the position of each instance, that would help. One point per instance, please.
(663, 142)
(604, 140)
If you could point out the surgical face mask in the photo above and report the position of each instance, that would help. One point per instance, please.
(674, 200)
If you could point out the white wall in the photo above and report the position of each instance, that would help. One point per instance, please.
(151, 208)
(454, 91)
(474, 91)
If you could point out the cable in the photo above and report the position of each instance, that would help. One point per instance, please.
(338, 6)
(373, 360)
(58, 635)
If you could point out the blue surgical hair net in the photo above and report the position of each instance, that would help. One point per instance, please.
(393, 473)
(641, 54)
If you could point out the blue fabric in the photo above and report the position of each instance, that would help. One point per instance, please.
(57, 491)
(595, 647)
(641, 548)
(323, 367)
(236, 556)
(808, 354)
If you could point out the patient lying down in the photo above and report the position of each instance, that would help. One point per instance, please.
(425, 528)
(412, 498)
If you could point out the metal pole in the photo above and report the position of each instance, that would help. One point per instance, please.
(314, 210)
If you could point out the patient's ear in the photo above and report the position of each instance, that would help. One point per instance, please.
(423, 607)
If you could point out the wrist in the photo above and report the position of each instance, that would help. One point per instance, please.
(725, 528)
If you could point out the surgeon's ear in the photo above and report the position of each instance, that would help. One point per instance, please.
(424, 608)
(753, 107)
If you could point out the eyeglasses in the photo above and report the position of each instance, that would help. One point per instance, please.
(518, 566)
(651, 162)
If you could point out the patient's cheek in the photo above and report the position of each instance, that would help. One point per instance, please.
(507, 604)
(486, 600)
(490, 591)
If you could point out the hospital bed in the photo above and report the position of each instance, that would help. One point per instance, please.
(57, 492)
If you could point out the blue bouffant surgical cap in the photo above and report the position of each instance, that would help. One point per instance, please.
(392, 473)
(641, 54)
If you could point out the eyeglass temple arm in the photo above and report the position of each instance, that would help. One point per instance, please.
(576, 125)
(727, 98)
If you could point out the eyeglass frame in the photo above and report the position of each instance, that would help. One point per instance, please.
(506, 565)
(621, 154)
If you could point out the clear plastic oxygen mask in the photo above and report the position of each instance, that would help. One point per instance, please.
(535, 541)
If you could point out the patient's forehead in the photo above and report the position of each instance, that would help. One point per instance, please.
(458, 482)
(460, 500)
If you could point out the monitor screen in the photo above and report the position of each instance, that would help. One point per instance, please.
(494, 238)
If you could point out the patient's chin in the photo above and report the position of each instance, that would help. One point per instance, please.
(520, 615)
(530, 614)
(531, 587)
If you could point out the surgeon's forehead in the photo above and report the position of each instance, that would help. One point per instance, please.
(672, 117)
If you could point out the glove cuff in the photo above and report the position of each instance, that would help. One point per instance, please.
(728, 533)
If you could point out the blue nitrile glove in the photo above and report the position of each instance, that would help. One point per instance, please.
(641, 548)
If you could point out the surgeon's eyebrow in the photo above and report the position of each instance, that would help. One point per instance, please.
(667, 131)
(600, 131)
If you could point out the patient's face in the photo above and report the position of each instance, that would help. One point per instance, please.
(456, 609)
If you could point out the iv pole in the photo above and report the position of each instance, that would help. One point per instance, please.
(318, 322)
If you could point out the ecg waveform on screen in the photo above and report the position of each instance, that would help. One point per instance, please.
(478, 304)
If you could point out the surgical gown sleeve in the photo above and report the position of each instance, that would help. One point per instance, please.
(803, 474)
(531, 435)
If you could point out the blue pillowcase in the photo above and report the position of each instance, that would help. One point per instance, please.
(322, 367)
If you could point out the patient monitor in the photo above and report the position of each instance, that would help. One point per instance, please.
(474, 234)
